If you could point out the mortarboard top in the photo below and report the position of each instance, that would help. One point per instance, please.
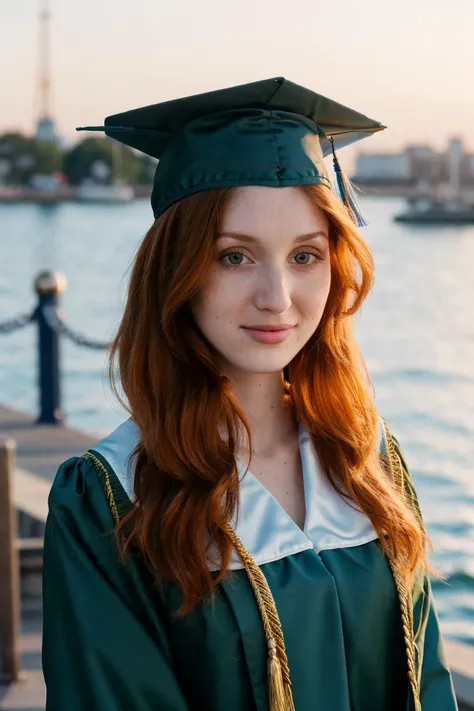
(271, 132)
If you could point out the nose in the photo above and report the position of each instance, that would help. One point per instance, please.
(272, 292)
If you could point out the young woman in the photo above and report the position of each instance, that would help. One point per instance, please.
(249, 540)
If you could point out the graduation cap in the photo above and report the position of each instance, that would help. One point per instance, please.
(271, 132)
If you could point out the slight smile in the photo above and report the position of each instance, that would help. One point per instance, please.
(269, 334)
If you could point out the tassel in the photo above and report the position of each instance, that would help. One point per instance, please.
(346, 190)
(280, 696)
(279, 683)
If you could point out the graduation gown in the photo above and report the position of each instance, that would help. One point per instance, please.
(111, 641)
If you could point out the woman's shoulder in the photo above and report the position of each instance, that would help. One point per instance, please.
(396, 465)
(116, 453)
(389, 446)
(85, 502)
(92, 481)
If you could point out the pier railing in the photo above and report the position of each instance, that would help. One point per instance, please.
(51, 326)
(9, 569)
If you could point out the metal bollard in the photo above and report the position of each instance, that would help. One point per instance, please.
(48, 286)
(9, 574)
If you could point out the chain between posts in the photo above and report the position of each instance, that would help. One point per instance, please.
(56, 323)
(15, 324)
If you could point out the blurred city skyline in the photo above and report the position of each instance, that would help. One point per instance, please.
(407, 64)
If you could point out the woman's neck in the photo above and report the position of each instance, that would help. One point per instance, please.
(269, 414)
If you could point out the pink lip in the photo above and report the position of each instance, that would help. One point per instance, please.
(269, 334)
(279, 327)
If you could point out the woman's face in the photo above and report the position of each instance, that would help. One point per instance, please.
(265, 293)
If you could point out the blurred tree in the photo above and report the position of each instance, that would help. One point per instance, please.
(48, 156)
(104, 161)
(22, 157)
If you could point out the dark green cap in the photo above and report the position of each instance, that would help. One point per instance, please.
(270, 132)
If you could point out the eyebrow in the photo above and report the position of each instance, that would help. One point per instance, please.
(250, 238)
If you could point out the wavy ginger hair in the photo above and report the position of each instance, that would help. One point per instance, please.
(186, 485)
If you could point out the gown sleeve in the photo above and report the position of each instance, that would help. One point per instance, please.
(105, 646)
(436, 684)
(436, 687)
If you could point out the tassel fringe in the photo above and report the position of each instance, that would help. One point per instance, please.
(280, 696)
(347, 191)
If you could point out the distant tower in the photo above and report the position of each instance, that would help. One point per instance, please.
(45, 128)
(455, 157)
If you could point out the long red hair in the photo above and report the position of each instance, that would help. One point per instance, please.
(186, 484)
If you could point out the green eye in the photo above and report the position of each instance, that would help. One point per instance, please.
(233, 259)
(302, 257)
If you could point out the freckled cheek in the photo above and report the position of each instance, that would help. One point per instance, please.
(312, 299)
(218, 301)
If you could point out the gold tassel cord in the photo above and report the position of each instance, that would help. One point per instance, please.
(108, 488)
(280, 693)
(404, 594)
(396, 469)
(406, 610)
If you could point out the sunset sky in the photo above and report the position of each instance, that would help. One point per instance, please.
(409, 63)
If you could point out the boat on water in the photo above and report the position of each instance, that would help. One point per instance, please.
(96, 192)
(101, 185)
(434, 211)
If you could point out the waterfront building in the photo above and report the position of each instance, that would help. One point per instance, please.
(383, 168)
(418, 165)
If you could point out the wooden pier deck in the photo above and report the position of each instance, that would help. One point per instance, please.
(41, 448)
(40, 451)
(29, 693)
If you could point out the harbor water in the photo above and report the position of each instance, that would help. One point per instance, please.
(416, 330)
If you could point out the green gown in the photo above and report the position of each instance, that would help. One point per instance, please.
(112, 643)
